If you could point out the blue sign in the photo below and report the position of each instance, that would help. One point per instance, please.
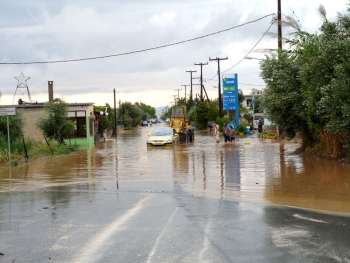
(230, 94)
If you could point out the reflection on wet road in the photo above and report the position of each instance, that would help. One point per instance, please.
(201, 202)
(253, 169)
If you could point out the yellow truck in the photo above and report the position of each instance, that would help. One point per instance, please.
(179, 123)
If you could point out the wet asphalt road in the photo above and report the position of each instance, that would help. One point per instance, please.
(163, 224)
(148, 216)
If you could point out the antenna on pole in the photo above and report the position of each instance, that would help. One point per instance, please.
(22, 87)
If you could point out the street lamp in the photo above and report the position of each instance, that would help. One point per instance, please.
(253, 58)
(104, 112)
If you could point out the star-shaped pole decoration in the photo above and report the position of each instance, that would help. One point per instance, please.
(22, 80)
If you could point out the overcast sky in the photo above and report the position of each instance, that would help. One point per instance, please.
(41, 30)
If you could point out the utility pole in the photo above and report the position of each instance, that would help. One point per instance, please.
(191, 71)
(201, 64)
(219, 86)
(279, 25)
(115, 117)
(185, 90)
(178, 93)
(174, 99)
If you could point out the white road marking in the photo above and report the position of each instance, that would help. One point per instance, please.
(310, 219)
(90, 252)
(206, 243)
(160, 237)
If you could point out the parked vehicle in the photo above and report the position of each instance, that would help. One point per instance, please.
(179, 122)
(144, 123)
(162, 137)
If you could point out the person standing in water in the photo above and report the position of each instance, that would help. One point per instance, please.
(105, 134)
(216, 132)
(232, 135)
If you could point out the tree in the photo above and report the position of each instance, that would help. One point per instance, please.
(284, 93)
(56, 123)
(257, 105)
(307, 87)
(149, 110)
(201, 115)
(105, 121)
(131, 115)
(16, 124)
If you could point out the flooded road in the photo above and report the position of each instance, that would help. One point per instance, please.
(200, 202)
(252, 169)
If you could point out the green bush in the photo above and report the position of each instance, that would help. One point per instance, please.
(240, 128)
(34, 150)
(221, 122)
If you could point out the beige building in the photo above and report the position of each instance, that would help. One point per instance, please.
(80, 113)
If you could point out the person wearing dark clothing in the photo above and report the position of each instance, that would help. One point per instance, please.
(260, 124)
(226, 132)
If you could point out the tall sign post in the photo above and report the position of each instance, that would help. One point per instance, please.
(11, 111)
(230, 92)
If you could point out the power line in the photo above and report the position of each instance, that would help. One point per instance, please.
(249, 50)
(137, 51)
(293, 12)
(247, 84)
(237, 19)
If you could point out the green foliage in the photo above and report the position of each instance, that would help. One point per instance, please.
(16, 124)
(240, 128)
(257, 105)
(240, 98)
(308, 87)
(34, 150)
(54, 123)
(105, 121)
(284, 93)
(147, 109)
(248, 117)
(201, 116)
(191, 114)
(221, 122)
(167, 114)
(130, 115)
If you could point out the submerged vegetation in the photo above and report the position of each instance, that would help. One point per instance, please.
(32, 149)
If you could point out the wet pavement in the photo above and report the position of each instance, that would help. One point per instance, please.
(252, 201)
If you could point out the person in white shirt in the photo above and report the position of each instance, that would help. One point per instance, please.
(216, 132)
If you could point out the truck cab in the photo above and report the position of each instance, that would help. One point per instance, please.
(179, 123)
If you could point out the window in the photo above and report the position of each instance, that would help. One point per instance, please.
(79, 120)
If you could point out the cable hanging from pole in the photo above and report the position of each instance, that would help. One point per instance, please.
(137, 51)
(250, 49)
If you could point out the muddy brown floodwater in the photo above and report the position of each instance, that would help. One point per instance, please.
(253, 169)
